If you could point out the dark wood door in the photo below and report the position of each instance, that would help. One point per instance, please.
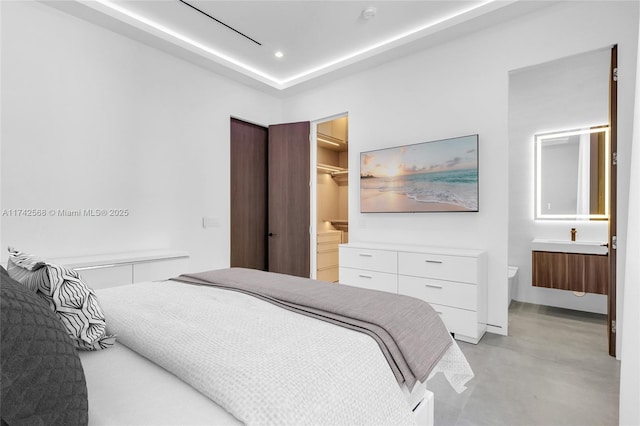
(248, 195)
(289, 199)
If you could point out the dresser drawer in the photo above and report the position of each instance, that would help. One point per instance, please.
(327, 259)
(454, 294)
(370, 260)
(330, 237)
(458, 320)
(329, 274)
(369, 279)
(325, 247)
(437, 266)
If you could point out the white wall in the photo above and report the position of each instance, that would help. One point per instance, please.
(460, 88)
(94, 120)
(564, 94)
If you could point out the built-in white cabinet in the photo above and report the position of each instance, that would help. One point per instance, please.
(113, 270)
(105, 276)
(453, 281)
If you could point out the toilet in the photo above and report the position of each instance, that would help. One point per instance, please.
(513, 281)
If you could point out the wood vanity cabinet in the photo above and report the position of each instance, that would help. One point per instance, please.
(588, 273)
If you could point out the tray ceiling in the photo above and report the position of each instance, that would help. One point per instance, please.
(318, 39)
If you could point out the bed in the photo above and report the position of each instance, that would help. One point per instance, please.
(196, 351)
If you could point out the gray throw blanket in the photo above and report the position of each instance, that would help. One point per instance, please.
(409, 332)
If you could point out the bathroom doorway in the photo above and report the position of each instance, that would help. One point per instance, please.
(331, 194)
(576, 92)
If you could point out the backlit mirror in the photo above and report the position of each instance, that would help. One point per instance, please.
(572, 174)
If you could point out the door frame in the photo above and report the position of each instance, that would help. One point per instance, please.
(313, 163)
(612, 299)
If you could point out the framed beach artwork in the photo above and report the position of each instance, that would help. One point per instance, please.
(437, 176)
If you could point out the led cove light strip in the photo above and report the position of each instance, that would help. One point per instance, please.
(283, 82)
(183, 38)
(385, 42)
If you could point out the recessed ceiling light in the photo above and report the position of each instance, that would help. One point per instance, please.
(279, 54)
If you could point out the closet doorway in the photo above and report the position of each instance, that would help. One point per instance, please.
(269, 191)
(331, 198)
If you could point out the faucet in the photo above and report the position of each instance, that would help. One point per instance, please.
(573, 234)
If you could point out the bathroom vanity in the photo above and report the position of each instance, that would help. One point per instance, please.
(581, 266)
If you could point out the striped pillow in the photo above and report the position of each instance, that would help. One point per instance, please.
(27, 269)
(67, 295)
(77, 306)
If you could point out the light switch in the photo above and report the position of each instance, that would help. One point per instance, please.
(210, 222)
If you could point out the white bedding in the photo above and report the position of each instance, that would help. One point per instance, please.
(263, 364)
(260, 363)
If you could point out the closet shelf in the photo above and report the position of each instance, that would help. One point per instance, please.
(330, 169)
(339, 174)
(339, 224)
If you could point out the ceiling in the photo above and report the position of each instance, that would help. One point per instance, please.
(319, 40)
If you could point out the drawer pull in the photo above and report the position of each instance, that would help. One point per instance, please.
(438, 312)
(433, 261)
(365, 276)
(433, 286)
(366, 255)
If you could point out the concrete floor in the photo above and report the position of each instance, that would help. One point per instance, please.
(552, 369)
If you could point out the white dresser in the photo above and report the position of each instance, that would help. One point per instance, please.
(112, 270)
(453, 281)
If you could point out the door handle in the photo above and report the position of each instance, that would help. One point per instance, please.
(271, 234)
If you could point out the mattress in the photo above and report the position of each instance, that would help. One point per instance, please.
(127, 389)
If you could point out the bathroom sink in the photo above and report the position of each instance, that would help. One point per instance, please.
(566, 246)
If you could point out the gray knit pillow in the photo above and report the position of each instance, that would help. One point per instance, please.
(42, 381)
